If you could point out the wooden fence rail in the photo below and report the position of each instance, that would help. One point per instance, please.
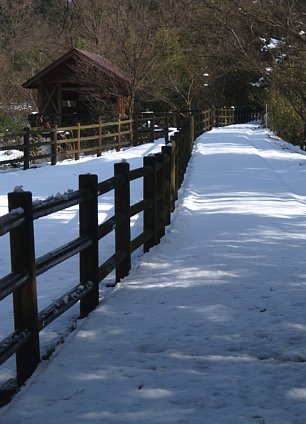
(59, 143)
(162, 175)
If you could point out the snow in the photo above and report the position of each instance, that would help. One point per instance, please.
(17, 211)
(18, 189)
(54, 183)
(209, 327)
(10, 155)
(272, 43)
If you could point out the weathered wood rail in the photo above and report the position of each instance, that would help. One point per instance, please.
(162, 175)
(73, 141)
(235, 115)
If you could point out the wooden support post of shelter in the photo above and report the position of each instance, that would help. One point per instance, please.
(54, 145)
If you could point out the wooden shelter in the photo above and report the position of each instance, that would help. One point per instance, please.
(79, 86)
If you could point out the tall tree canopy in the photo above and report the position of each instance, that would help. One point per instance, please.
(187, 53)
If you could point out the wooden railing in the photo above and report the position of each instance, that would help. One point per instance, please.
(162, 176)
(235, 115)
(59, 143)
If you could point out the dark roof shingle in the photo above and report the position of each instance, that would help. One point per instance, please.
(106, 64)
(97, 60)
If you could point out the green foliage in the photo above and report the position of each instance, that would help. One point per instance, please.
(177, 54)
(11, 121)
(177, 71)
(29, 58)
(284, 120)
(82, 43)
(43, 7)
(235, 88)
(167, 42)
(151, 5)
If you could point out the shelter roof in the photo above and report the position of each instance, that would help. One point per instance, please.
(92, 58)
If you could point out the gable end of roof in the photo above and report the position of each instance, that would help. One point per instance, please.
(94, 58)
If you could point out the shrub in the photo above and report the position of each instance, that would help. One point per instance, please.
(11, 121)
(284, 120)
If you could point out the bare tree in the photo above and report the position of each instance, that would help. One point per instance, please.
(93, 16)
(133, 29)
(17, 38)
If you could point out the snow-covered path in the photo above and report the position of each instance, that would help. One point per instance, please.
(210, 328)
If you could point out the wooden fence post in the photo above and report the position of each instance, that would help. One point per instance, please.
(160, 188)
(167, 129)
(181, 141)
(197, 121)
(193, 133)
(119, 134)
(174, 183)
(167, 151)
(26, 148)
(217, 117)
(184, 139)
(78, 143)
(152, 129)
(25, 297)
(131, 132)
(189, 137)
(177, 119)
(54, 145)
(150, 193)
(213, 117)
(100, 138)
(178, 157)
(123, 230)
(189, 144)
(89, 258)
(135, 137)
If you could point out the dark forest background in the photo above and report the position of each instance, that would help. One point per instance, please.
(178, 54)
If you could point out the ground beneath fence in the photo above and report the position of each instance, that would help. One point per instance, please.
(210, 327)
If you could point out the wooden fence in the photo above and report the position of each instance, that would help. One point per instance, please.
(72, 141)
(162, 175)
(235, 115)
(59, 143)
